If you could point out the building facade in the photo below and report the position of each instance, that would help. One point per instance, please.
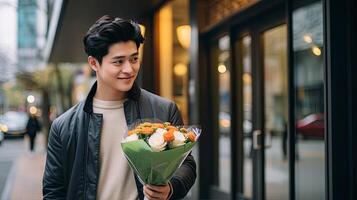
(260, 80)
(31, 33)
(270, 81)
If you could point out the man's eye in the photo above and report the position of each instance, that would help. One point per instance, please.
(119, 62)
(134, 59)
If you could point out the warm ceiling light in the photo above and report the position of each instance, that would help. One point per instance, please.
(180, 69)
(184, 35)
(222, 68)
(225, 123)
(33, 110)
(142, 29)
(247, 79)
(316, 50)
(30, 99)
(307, 39)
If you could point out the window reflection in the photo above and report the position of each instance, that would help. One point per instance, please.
(224, 114)
(174, 32)
(309, 103)
(247, 114)
(276, 113)
(220, 56)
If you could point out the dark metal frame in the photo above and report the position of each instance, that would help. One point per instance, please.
(268, 22)
(206, 152)
(234, 27)
(291, 100)
(237, 186)
(341, 98)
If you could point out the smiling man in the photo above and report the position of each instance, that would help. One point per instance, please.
(84, 158)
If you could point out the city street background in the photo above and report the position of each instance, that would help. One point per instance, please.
(21, 171)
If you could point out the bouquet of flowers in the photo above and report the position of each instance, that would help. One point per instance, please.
(156, 150)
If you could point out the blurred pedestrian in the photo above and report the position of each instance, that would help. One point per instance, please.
(32, 127)
(84, 158)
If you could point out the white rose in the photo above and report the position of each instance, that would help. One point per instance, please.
(130, 138)
(160, 131)
(156, 140)
(179, 140)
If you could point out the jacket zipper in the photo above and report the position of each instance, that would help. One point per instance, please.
(98, 149)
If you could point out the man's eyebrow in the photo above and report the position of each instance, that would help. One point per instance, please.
(118, 57)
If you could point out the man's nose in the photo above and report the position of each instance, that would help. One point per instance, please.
(127, 67)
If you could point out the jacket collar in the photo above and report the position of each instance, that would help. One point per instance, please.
(133, 94)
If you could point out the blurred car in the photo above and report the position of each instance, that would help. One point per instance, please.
(13, 123)
(225, 124)
(311, 126)
(1, 137)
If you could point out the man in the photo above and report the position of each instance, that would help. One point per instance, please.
(31, 129)
(84, 159)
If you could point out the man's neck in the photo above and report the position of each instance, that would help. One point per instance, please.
(109, 95)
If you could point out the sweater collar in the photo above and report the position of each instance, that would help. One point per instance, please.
(133, 94)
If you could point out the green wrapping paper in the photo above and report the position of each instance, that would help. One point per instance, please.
(154, 168)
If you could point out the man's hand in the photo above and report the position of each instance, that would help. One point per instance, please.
(154, 192)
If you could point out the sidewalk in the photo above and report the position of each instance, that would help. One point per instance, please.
(28, 177)
(25, 180)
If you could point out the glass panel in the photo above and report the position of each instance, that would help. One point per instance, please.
(220, 61)
(276, 113)
(174, 33)
(309, 102)
(244, 59)
(224, 117)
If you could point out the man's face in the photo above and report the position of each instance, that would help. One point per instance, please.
(119, 67)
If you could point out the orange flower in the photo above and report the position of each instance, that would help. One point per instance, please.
(171, 128)
(169, 135)
(183, 130)
(157, 125)
(132, 132)
(147, 130)
(191, 136)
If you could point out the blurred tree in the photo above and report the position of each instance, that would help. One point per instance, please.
(55, 83)
(41, 81)
(64, 84)
(13, 95)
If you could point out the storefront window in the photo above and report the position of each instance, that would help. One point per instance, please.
(173, 41)
(220, 55)
(247, 114)
(276, 113)
(309, 103)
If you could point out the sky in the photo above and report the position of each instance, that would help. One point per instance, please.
(8, 38)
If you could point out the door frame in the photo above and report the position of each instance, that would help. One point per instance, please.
(255, 28)
(235, 27)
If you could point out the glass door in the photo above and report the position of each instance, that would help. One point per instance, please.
(243, 47)
(247, 76)
(220, 72)
(261, 62)
(275, 95)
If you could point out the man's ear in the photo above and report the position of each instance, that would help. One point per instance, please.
(93, 63)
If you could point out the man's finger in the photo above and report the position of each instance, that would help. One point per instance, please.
(148, 196)
(151, 193)
(156, 188)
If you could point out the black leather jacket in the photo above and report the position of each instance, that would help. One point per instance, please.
(72, 164)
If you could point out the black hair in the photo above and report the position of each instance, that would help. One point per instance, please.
(107, 31)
